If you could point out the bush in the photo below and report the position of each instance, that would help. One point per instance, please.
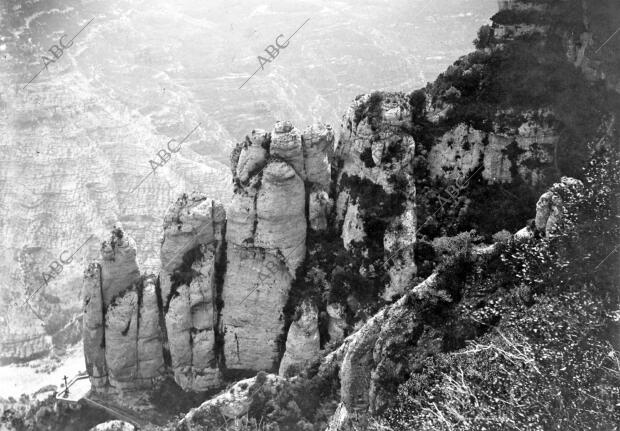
(503, 236)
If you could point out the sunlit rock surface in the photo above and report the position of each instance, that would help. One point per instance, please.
(93, 326)
(115, 425)
(266, 236)
(280, 214)
(191, 252)
(191, 221)
(254, 294)
(459, 151)
(303, 341)
(121, 319)
(119, 268)
(230, 404)
(121, 336)
(150, 337)
(286, 145)
(318, 142)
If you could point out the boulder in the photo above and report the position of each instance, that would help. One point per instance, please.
(303, 342)
(230, 404)
(114, 425)
(286, 145)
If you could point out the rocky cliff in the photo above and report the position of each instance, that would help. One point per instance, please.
(374, 248)
(218, 302)
(122, 339)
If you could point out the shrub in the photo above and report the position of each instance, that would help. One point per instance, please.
(503, 236)
(485, 36)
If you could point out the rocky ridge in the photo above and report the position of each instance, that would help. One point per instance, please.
(319, 246)
(205, 312)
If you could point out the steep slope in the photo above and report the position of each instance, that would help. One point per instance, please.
(412, 175)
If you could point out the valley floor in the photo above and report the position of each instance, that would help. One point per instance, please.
(28, 378)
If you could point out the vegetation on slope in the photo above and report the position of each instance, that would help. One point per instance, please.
(552, 361)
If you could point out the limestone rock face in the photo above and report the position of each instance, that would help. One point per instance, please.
(192, 322)
(119, 268)
(353, 227)
(191, 221)
(231, 404)
(178, 325)
(253, 155)
(93, 326)
(524, 234)
(265, 244)
(457, 154)
(150, 357)
(254, 294)
(303, 341)
(286, 145)
(398, 244)
(318, 141)
(220, 296)
(191, 252)
(548, 212)
(364, 360)
(373, 161)
(550, 205)
(191, 335)
(372, 134)
(266, 237)
(241, 217)
(340, 419)
(280, 213)
(121, 334)
(121, 322)
(115, 425)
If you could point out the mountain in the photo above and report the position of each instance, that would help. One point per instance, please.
(441, 260)
(81, 137)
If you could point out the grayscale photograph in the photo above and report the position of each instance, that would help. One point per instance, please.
(309, 215)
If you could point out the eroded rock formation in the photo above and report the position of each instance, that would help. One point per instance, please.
(230, 404)
(191, 255)
(219, 300)
(303, 341)
(231, 280)
(375, 181)
(122, 338)
(266, 235)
